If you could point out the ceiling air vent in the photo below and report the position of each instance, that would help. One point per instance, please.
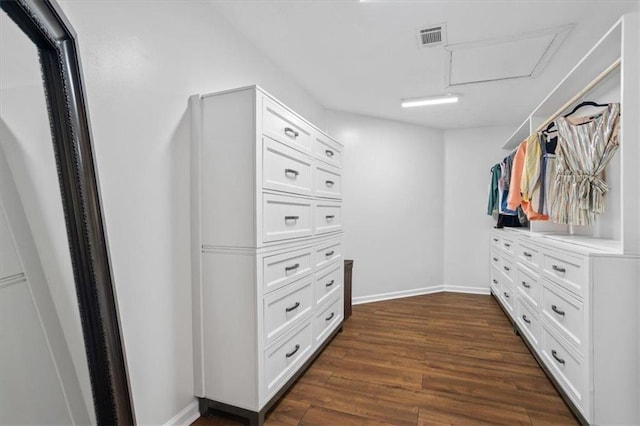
(434, 35)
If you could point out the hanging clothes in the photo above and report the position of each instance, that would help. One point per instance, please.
(508, 163)
(515, 198)
(585, 147)
(498, 194)
(530, 180)
(503, 189)
(492, 206)
(548, 142)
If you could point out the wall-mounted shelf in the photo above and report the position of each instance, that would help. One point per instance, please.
(606, 51)
(607, 73)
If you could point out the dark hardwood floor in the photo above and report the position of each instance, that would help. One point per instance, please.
(443, 358)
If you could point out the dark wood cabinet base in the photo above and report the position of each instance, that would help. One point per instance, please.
(348, 274)
(256, 418)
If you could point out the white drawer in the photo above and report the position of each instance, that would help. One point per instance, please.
(495, 281)
(495, 259)
(328, 252)
(283, 126)
(528, 321)
(285, 217)
(529, 255)
(567, 271)
(327, 321)
(529, 286)
(328, 282)
(327, 150)
(285, 169)
(496, 239)
(508, 245)
(327, 182)
(508, 268)
(565, 312)
(507, 296)
(284, 357)
(328, 216)
(565, 365)
(286, 307)
(282, 269)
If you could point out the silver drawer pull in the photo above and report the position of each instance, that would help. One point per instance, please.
(329, 253)
(330, 283)
(495, 259)
(293, 352)
(495, 281)
(291, 172)
(526, 254)
(495, 239)
(555, 309)
(506, 268)
(507, 245)
(292, 308)
(292, 268)
(286, 218)
(525, 319)
(558, 269)
(525, 285)
(329, 153)
(555, 355)
(329, 183)
(291, 133)
(329, 217)
(506, 294)
(330, 316)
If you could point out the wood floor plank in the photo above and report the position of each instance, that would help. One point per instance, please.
(442, 358)
(450, 412)
(355, 402)
(288, 413)
(352, 369)
(315, 375)
(539, 418)
(318, 416)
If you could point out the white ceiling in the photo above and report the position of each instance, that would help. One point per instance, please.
(363, 56)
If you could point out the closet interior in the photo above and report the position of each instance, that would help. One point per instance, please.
(568, 277)
(246, 150)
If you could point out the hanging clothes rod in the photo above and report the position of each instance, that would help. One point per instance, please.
(581, 93)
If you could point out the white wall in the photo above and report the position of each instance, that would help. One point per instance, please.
(140, 64)
(468, 158)
(393, 198)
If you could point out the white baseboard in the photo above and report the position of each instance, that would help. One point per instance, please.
(397, 294)
(466, 289)
(418, 292)
(188, 415)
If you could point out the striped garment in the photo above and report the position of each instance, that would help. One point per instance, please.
(585, 148)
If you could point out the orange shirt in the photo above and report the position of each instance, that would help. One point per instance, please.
(514, 199)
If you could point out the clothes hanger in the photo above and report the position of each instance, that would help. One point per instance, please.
(583, 104)
(550, 128)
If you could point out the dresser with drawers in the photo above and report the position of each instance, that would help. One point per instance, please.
(575, 305)
(267, 252)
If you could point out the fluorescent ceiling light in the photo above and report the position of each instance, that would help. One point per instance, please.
(449, 99)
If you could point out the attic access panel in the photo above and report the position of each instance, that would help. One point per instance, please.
(522, 56)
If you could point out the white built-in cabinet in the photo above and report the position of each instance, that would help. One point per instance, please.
(573, 292)
(576, 306)
(267, 259)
